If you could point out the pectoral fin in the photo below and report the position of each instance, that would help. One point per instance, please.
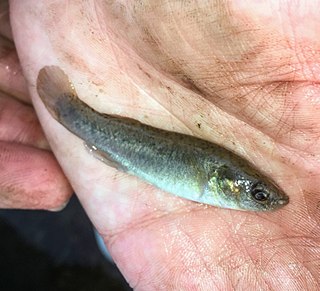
(104, 157)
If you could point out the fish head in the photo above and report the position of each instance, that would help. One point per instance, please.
(249, 191)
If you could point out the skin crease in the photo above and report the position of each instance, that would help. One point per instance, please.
(242, 74)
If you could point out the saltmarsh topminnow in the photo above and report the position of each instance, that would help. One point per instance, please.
(180, 164)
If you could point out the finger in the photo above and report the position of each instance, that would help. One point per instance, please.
(5, 28)
(11, 78)
(31, 178)
(19, 123)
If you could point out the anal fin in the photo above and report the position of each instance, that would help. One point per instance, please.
(104, 157)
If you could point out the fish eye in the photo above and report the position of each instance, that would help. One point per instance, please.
(258, 193)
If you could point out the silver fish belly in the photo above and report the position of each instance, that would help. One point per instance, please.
(180, 164)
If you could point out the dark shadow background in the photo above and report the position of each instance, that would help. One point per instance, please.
(41, 250)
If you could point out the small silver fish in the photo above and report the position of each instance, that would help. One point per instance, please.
(180, 164)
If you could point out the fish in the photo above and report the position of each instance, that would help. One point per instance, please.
(180, 164)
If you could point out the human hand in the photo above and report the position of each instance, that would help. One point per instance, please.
(241, 76)
(30, 176)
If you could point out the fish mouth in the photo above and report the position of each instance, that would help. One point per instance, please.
(283, 201)
(279, 203)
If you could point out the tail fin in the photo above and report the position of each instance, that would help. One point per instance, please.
(52, 85)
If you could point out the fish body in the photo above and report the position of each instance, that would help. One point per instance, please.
(180, 164)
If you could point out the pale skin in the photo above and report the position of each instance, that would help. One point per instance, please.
(245, 75)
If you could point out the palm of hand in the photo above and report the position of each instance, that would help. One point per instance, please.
(225, 76)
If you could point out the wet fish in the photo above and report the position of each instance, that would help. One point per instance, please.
(180, 164)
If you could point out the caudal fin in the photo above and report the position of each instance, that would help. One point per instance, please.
(52, 85)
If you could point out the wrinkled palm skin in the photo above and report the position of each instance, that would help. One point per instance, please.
(243, 74)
